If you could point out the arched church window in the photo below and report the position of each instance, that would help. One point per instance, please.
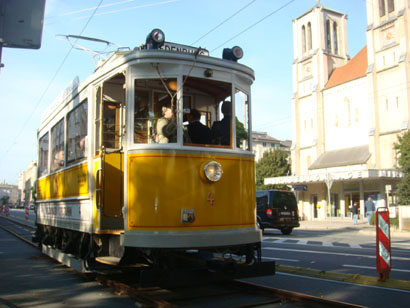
(303, 39)
(328, 40)
(336, 51)
(390, 6)
(309, 36)
(382, 8)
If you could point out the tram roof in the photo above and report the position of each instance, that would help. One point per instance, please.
(122, 57)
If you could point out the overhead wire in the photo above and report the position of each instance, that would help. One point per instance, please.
(49, 84)
(224, 21)
(254, 24)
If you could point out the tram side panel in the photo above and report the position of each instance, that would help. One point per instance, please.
(63, 201)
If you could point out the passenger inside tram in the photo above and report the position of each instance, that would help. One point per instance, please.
(205, 102)
(167, 126)
(221, 130)
(198, 133)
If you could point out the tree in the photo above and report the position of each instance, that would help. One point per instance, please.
(241, 132)
(403, 150)
(5, 200)
(272, 164)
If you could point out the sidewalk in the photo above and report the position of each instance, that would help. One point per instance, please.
(336, 224)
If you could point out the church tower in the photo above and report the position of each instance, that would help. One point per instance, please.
(320, 45)
(388, 45)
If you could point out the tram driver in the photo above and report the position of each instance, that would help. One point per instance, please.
(221, 130)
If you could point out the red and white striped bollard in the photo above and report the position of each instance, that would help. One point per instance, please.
(383, 248)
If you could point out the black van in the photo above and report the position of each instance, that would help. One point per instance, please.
(277, 209)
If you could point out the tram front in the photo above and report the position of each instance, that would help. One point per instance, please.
(189, 168)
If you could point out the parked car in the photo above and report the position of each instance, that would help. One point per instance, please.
(277, 209)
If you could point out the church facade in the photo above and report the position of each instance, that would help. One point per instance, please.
(347, 113)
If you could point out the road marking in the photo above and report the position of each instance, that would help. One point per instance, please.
(278, 241)
(352, 245)
(327, 244)
(342, 282)
(302, 242)
(280, 259)
(330, 253)
(374, 268)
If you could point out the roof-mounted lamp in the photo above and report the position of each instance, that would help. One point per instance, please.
(234, 54)
(155, 39)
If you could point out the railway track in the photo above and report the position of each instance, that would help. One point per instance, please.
(230, 294)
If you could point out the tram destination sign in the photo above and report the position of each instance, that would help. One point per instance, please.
(168, 46)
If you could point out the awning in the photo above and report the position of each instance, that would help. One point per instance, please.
(322, 177)
(344, 157)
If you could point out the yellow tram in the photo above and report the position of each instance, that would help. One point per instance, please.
(151, 156)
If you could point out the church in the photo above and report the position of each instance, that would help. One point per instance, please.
(347, 112)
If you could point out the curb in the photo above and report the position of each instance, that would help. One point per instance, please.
(352, 278)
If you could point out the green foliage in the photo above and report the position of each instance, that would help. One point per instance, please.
(403, 150)
(4, 200)
(272, 164)
(241, 132)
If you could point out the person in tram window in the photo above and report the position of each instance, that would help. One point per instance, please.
(221, 130)
(167, 126)
(58, 161)
(198, 132)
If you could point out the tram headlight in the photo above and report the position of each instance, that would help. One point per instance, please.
(213, 171)
(155, 39)
(234, 54)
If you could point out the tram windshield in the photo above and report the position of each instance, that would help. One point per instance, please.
(202, 114)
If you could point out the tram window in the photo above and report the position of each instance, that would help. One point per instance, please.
(57, 146)
(154, 111)
(212, 99)
(43, 155)
(111, 123)
(242, 120)
(77, 133)
(143, 117)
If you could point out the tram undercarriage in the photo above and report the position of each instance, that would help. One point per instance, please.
(155, 266)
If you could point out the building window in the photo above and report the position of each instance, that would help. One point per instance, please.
(309, 36)
(328, 40)
(382, 8)
(335, 38)
(303, 39)
(390, 6)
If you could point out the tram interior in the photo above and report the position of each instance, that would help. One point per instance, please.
(205, 96)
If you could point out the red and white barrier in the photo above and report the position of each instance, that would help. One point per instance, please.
(7, 210)
(383, 248)
(1, 209)
(27, 212)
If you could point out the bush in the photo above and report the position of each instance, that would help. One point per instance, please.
(394, 222)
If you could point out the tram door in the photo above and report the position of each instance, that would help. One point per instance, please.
(109, 127)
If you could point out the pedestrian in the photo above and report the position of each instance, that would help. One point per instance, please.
(369, 209)
(355, 211)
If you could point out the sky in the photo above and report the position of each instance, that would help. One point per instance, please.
(31, 79)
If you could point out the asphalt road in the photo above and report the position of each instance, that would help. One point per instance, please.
(341, 251)
(335, 250)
